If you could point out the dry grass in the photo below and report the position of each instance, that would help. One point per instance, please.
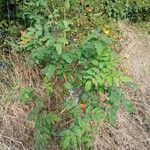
(16, 133)
(132, 132)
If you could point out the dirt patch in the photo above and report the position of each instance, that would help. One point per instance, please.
(132, 131)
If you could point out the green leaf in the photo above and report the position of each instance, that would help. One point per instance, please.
(100, 65)
(39, 102)
(109, 80)
(63, 40)
(95, 62)
(82, 123)
(34, 114)
(58, 47)
(67, 58)
(124, 78)
(77, 131)
(99, 47)
(112, 115)
(51, 118)
(89, 109)
(66, 142)
(66, 139)
(26, 95)
(67, 4)
(128, 106)
(98, 79)
(38, 27)
(88, 85)
(49, 42)
(39, 54)
(73, 140)
(90, 72)
(94, 81)
(49, 71)
(68, 86)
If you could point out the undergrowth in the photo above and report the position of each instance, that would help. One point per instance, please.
(73, 46)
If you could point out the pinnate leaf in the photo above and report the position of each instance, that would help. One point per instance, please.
(88, 85)
(67, 4)
(58, 47)
(48, 71)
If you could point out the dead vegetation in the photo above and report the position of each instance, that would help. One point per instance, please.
(132, 131)
(16, 133)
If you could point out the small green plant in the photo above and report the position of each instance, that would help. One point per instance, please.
(86, 72)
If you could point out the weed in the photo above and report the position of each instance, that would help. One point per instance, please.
(87, 71)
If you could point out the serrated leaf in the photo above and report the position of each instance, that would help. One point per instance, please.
(49, 42)
(96, 70)
(128, 106)
(34, 114)
(88, 109)
(39, 54)
(66, 139)
(87, 77)
(66, 142)
(90, 72)
(51, 118)
(63, 40)
(38, 27)
(109, 80)
(95, 62)
(58, 47)
(67, 4)
(94, 81)
(77, 131)
(88, 85)
(99, 47)
(101, 65)
(98, 79)
(26, 95)
(112, 115)
(68, 86)
(48, 71)
(67, 58)
(73, 139)
(81, 123)
(39, 102)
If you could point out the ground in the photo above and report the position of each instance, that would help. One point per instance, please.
(131, 131)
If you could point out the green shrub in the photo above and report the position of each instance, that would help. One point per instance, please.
(86, 69)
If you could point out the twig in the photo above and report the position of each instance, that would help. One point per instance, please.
(62, 111)
(66, 123)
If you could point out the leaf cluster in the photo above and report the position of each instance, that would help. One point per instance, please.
(87, 72)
